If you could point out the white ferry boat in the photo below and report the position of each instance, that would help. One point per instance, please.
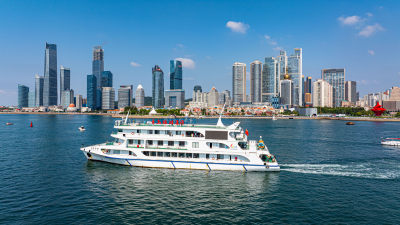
(391, 141)
(173, 144)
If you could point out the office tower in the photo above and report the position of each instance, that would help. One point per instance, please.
(307, 91)
(228, 99)
(322, 94)
(255, 81)
(270, 79)
(350, 92)
(213, 97)
(108, 98)
(197, 88)
(23, 96)
(39, 82)
(31, 99)
(157, 87)
(50, 75)
(91, 91)
(106, 79)
(98, 64)
(175, 75)
(239, 82)
(175, 98)
(286, 95)
(65, 78)
(295, 71)
(336, 78)
(78, 101)
(125, 93)
(67, 98)
(282, 61)
(139, 98)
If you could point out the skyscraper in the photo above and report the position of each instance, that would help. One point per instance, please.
(197, 88)
(67, 98)
(139, 98)
(91, 91)
(307, 91)
(39, 82)
(282, 65)
(125, 93)
(336, 78)
(65, 77)
(106, 79)
(255, 81)
(322, 94)
(78, 101)
(157, 87)
(98, 64)
(286, 95)
(108, 98)
(23, 96)
(175, 75)
(295, 71)
(239, 82)
(213, 97)
(50, 75)
(31, 99)
(270, 79)
(350, 92)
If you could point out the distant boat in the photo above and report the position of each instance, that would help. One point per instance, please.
(391, 141)
(81, 128)
(350, 123)
(274, 118)
(9, 123)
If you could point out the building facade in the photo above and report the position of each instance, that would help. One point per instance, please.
(175, 99)
(106, 79)
(65, 79)
(322, 94)
(255, 81)
(108, 98)
(238, 82)
(78, 101)
(350, 91)
(39, 82)
(23, 96)
(213, 97)
(125, 93)
(157, 87)
(336, 78)
(31, 99)
(91, 90)
(286, 94)
(50, 75)
(67, 98)
(295, 71)
(270, 79)
(175, 75)
(139, 97)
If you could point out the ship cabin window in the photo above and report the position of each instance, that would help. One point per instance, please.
(149, 142)
(181, 144)
(170, 143)
(207, 156)
(156, 132)
(150, 131)
(119, 130)
(160, 154)
(194, 134)
(130, 142)
(195, 144)
(189, 155)
(219, 156)
(178, 132)
(138, 131)
(153, 153)
(168, 132)
(222, 145)
(131, 153)
(116, 152)
(167, 154)
(181, 155)
(196, 155)
(243, 145)
(174, 154)
(146, 153)
(160, 143)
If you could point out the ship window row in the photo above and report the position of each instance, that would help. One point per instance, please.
(118, 152)
(158, 143)
(196, 155)
(164, 132)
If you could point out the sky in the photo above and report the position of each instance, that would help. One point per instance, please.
(208, 36)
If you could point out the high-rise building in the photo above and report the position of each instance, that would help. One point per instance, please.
(239, 82)
(286, 94)
(255, 81)
(31, 99)
(213, 97)
(175, 75)
(91, 91)
(50, 75)
(336, 78)
(282, 61)
(65, 79)
(270, 79)
(23, 96)
(106, 79)
(307, 91)
(227, 97)
(125, 93)
(197, 88)
(175, 98)
(78, 101)
(139, 97)
(108, 98)
(157, 87)
(98, 64)
(350, 92)
(295, 71)
(322, 94)
(39, 82)
(67, 98)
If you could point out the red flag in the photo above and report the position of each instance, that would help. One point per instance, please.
(247, 132)
(152, 122)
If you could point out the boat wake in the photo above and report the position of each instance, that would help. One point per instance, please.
(376, 170)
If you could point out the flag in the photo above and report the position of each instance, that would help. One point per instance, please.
(247, 132)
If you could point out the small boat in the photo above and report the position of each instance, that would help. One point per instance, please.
(81, 128)
(350, 123)
(9, 123)
(391, 141)
(274, 118)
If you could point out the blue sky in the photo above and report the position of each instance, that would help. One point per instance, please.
(363, 37)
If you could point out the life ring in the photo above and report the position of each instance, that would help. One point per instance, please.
(133, 133)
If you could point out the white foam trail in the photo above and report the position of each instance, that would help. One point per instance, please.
(362, 170)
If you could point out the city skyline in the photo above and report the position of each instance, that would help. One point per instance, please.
(356, 43)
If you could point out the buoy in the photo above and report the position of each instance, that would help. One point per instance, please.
(31, 124)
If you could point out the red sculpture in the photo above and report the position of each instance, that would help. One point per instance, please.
(378, 109)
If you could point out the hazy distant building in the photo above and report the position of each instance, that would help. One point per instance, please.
(39, 82)
(106, 79)
(139, 97)
(67, 98)
(50, 75)
(157, 87)
(270, 79)
(125, 93)
(286, 92)
(31, 99)
(350, 91)
(23, 96)
(322, 94)
(213, 97)
(65, 79)
(175, 75)
(239, 82)
(78, 101)
(91, 89)
(255, 81)
(108, 98)
(175, 99)
(336, 78)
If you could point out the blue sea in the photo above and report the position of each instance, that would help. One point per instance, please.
(331, 174)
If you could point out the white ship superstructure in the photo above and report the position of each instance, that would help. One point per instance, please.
(176, 145)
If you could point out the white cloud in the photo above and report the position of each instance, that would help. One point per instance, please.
(273, 43)
(187, 63)
(370, 30)
(238, 27)
(350, 20)
(369, 14)
(371, 52)
(135, 64)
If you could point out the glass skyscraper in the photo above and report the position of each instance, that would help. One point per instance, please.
(175, 75)
(157, 87)
(23, 96)
(106, 79)
(91, 91)
(270, 79)
(98, 64)
(295, 70)
(239, 83)
(336, 78)
(255, 81)
(139, 97)
(125, 93)
(65, 78)
(50, 75)
(39, 82)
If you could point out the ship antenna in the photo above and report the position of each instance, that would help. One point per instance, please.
(220, 124)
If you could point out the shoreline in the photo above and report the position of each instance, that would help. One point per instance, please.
(212, 117)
